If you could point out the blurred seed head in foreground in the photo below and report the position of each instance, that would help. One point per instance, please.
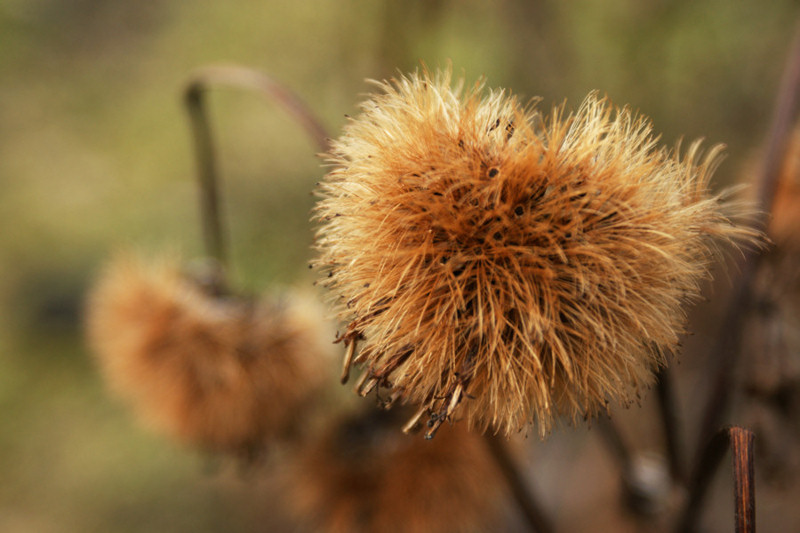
(361, 474)
(509, 267)
(223, 374)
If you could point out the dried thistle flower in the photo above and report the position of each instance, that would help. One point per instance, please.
(506, 265)
(224, 374)
(361, 475)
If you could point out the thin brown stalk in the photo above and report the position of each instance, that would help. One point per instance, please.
(743, 473)
(744, 479)
(239, 77)
(206, 161)
(616, 444)
(638, 501)
(668, 411)
(528, 504)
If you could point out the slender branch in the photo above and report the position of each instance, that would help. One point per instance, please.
(206, 161)
(744, 479)
(528, 504)
(642, 496)
(709, 461)
(616, 444)
(667, 408)
(726, 351)
(743, 474)
(243, 78)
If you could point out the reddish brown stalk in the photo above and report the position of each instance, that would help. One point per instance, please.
(741, 440)
(744, 479)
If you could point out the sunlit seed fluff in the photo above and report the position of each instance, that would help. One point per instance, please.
(223, 374)
(362, 475)
(505, 266)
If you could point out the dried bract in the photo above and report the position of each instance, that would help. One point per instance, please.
(507, 266)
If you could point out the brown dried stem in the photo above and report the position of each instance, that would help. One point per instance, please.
(743, 475)
(532, 510)
(637, 501)
(617, 445)
(744, 479)
(193, 95)
(667, 408)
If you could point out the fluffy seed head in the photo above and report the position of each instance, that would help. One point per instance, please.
(222, 374)
(508, 266)
(361, 475)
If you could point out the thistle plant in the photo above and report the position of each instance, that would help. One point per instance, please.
(506, 266)
(221, 373)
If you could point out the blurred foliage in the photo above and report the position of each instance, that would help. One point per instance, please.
(95, 155)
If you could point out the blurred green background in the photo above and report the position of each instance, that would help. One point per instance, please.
(95, 154)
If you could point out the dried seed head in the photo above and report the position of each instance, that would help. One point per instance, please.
(508, 266)
(222, 374)
(361, 474)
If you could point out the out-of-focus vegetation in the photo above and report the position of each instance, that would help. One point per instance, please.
(95, 155)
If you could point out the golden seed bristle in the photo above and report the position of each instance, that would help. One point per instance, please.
(506, 266)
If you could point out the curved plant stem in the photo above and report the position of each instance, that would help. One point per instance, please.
(239, 77)
(527, 502)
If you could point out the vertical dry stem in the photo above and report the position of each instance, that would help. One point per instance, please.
(667, 408)
(207, 173)
(528, 504)
(744, 479)
(617, 445)
(744, 487)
